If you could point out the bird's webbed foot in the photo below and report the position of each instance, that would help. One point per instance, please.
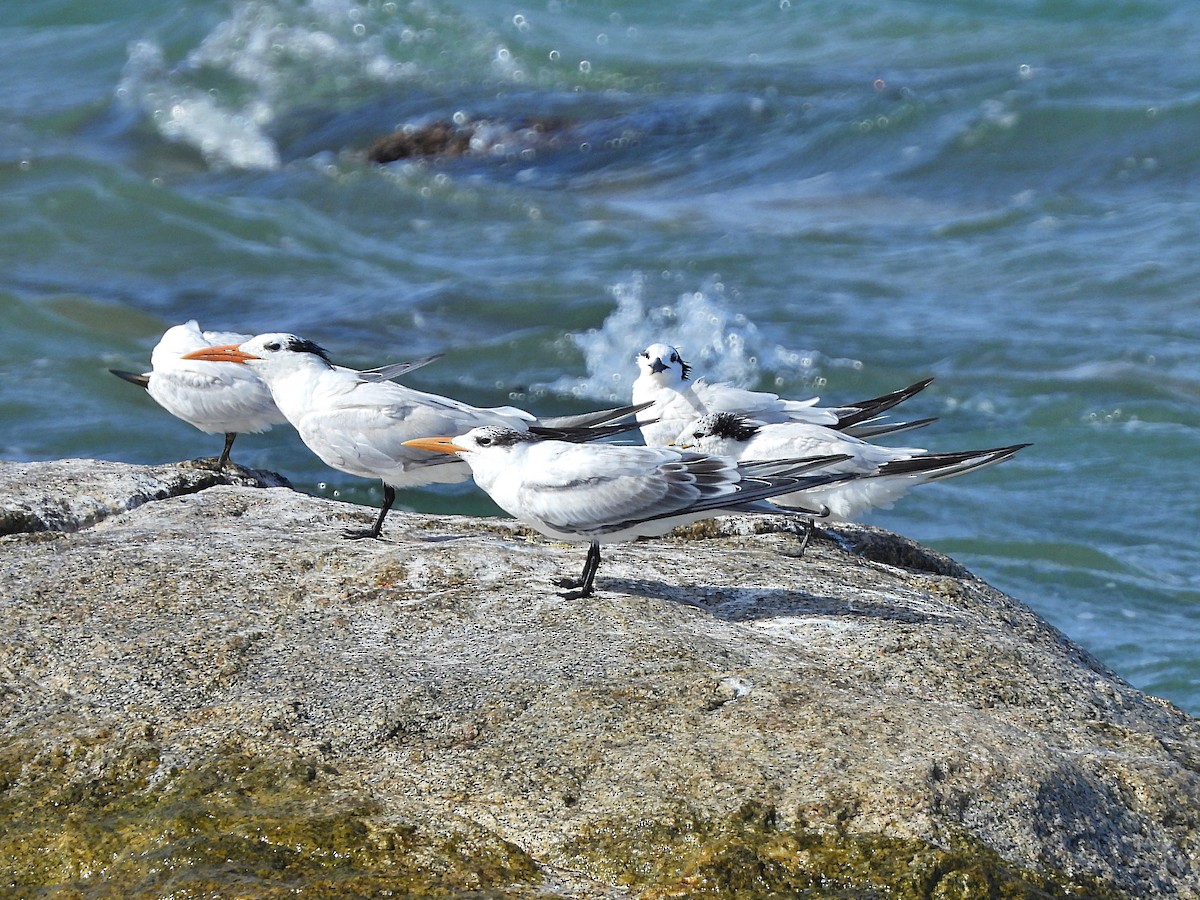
(581, 590)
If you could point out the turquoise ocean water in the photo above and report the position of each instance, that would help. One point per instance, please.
(811, 198)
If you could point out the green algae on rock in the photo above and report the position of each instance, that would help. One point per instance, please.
(237, 822)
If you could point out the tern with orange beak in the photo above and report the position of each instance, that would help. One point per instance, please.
(360, 426)
(671, 399)
(611, 493)
(224, 399)
(219, 399)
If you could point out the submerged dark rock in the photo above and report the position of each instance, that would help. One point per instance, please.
(214, 693)
(474, 137)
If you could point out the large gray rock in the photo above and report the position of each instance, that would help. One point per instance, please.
(216, 694)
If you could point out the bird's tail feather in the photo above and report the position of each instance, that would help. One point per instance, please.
(142, 381)
(599, 417)
(932, 466)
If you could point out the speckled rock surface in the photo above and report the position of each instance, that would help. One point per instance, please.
(215, 694)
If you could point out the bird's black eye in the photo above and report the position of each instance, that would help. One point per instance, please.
(643, 355)
(272, 346)
(484, 442)
(697, 434)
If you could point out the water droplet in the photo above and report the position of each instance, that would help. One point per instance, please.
(360, 30)
(585, 66)
(602, 39)
(554, 55)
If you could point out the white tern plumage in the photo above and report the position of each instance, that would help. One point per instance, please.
(609, 493)
(664, 383)
(892, 471)
(360, 426)
(220, 399)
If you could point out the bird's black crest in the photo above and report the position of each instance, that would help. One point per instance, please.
(299, 345)
(676, 356)
(731, 425)
(504, 437)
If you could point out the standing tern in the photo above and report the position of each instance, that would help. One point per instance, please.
(610, 493)
(664, 382)
(219, 399)
(360, 426)
(891, 471)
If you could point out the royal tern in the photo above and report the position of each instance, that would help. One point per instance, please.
(664, 382)
(360, 426)
(610, 493)
(224, 399)
(892, 471)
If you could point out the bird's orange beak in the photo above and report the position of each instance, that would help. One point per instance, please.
(436, 445)
(224, 353)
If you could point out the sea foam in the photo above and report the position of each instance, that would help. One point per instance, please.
(719, 343)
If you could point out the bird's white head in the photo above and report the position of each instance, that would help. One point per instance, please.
(485, 437)
(662, 363)
(265, 352)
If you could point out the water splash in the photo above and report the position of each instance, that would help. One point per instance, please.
(265, 61)
(226, 138)
(719, 343)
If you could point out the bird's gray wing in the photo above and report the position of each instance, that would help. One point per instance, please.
(593, 492)
(395, 370)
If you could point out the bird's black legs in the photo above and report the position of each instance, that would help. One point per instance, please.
(587, 579)
(389, 497)
(809, 525)
(224, 458)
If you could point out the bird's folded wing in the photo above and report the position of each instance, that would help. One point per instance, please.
(398, 401)
(592, 494)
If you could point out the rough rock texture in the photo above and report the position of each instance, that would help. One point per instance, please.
(70, 494)
(215, 694)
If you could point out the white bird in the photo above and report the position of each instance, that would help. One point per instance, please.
(674, 400)
(360, 426)
(219, 399)
(891, 471)
(609, 493)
